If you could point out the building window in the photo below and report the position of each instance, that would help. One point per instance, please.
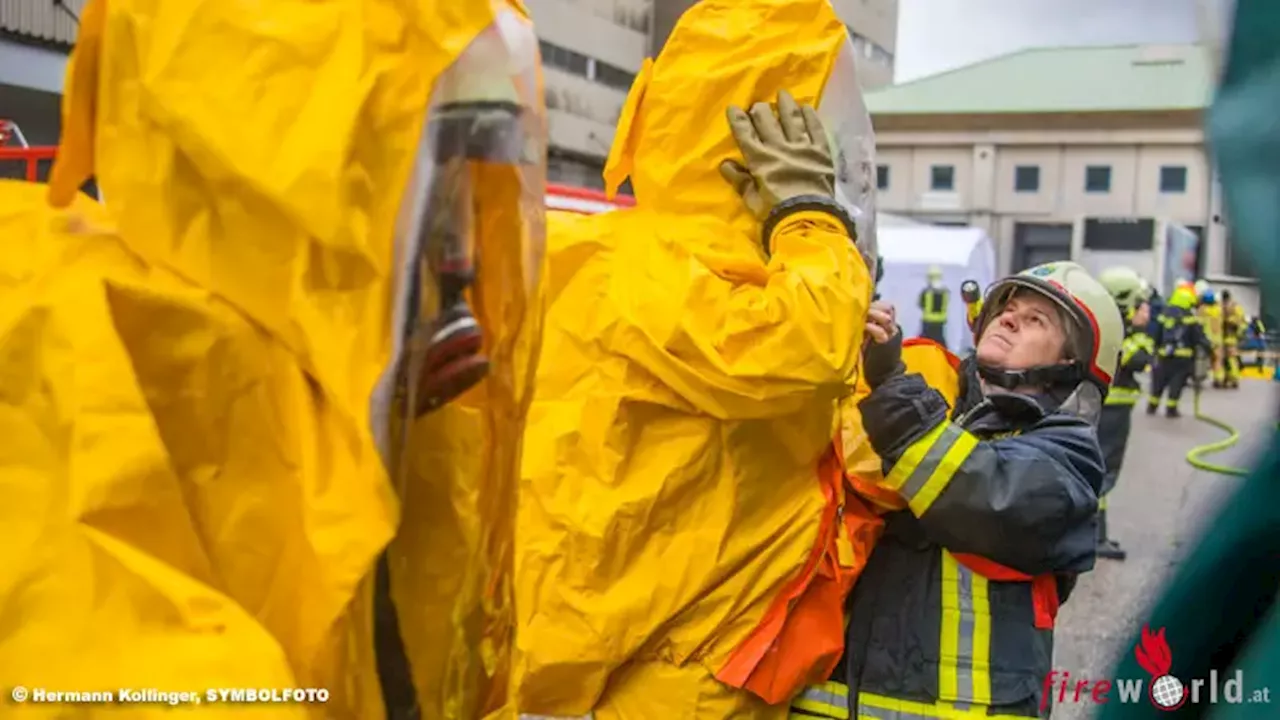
(564, 59)
(1026, 178)
(614, 77)
(1097, 179)
(882, 177)
(942, 177)
(1123, 234)
(1173, 179)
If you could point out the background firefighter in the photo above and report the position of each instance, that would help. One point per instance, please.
(1179, 336)
(934, 301)
(1000, 495)
(1234, 323)
(1129, 292)
(1210, 313)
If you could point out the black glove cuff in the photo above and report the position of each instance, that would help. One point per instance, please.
(881, 361)
(900, 412)
(803, 203)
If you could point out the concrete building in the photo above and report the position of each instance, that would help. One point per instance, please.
(592, 50)
(1029, 145)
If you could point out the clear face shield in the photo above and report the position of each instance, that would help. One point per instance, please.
(472, 227)
(853, 146)
(449, 412)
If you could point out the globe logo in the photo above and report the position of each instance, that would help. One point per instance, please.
(1167, 692)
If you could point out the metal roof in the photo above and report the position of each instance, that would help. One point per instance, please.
(45, 20)
(1060, 80)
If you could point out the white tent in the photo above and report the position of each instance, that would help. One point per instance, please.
(908, 252)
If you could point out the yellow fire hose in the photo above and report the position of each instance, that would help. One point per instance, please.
(1196, 455)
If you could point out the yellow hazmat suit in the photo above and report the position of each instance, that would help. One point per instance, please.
(688, 384)
(192, 484)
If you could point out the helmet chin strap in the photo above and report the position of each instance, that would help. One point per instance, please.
(1045, 376)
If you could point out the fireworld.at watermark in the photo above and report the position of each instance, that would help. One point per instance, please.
(1162, 690)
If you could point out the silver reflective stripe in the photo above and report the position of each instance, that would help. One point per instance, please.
(964, 647)
(866, 711)
(823, 699)
(931, 460)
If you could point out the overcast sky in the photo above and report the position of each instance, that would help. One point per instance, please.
(937, 35)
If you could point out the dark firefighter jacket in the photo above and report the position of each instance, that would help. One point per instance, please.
(1178, 333)
(1004, 481)
(1136, 354)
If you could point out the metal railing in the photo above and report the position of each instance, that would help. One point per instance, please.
(18, 160)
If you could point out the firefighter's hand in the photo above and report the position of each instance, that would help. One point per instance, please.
(882, 322)
(882, 354)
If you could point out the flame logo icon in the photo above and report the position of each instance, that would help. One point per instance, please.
(1166, 691)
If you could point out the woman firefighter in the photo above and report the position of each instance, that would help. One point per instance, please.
(990, 478)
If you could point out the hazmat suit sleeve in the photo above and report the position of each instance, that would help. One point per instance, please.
(737, 341)
(1027, 501)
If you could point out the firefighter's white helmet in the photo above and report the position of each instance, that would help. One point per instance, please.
(1086, 301)
(1126, 286)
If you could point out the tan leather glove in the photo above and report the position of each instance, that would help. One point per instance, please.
(785, 155)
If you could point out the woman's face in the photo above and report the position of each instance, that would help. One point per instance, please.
(1026, 333)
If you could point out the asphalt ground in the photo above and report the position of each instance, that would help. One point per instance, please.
(1159, 508)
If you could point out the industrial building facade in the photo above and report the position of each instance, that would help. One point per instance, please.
(1027, 146)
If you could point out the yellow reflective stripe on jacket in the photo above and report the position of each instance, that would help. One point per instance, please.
(1123, 396)
(879, 707)
(1135, 343)
(828, 700)
(964, 657)
(924, 470)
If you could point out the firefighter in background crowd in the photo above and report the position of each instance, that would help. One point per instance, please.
(1210, 314)
(1130, 294)
(1233, 327)
(1155, 307)
(993, 468)
(1178, 337)
(879, 276)
(1255, 338)
(934, 300)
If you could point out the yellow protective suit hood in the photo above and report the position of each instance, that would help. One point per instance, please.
(686, 391)
(191, 491)
(682, 136)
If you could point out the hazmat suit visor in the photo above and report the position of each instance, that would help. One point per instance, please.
(470, 235)
(851, 138)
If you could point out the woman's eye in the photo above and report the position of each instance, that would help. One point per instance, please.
(1035, 320)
